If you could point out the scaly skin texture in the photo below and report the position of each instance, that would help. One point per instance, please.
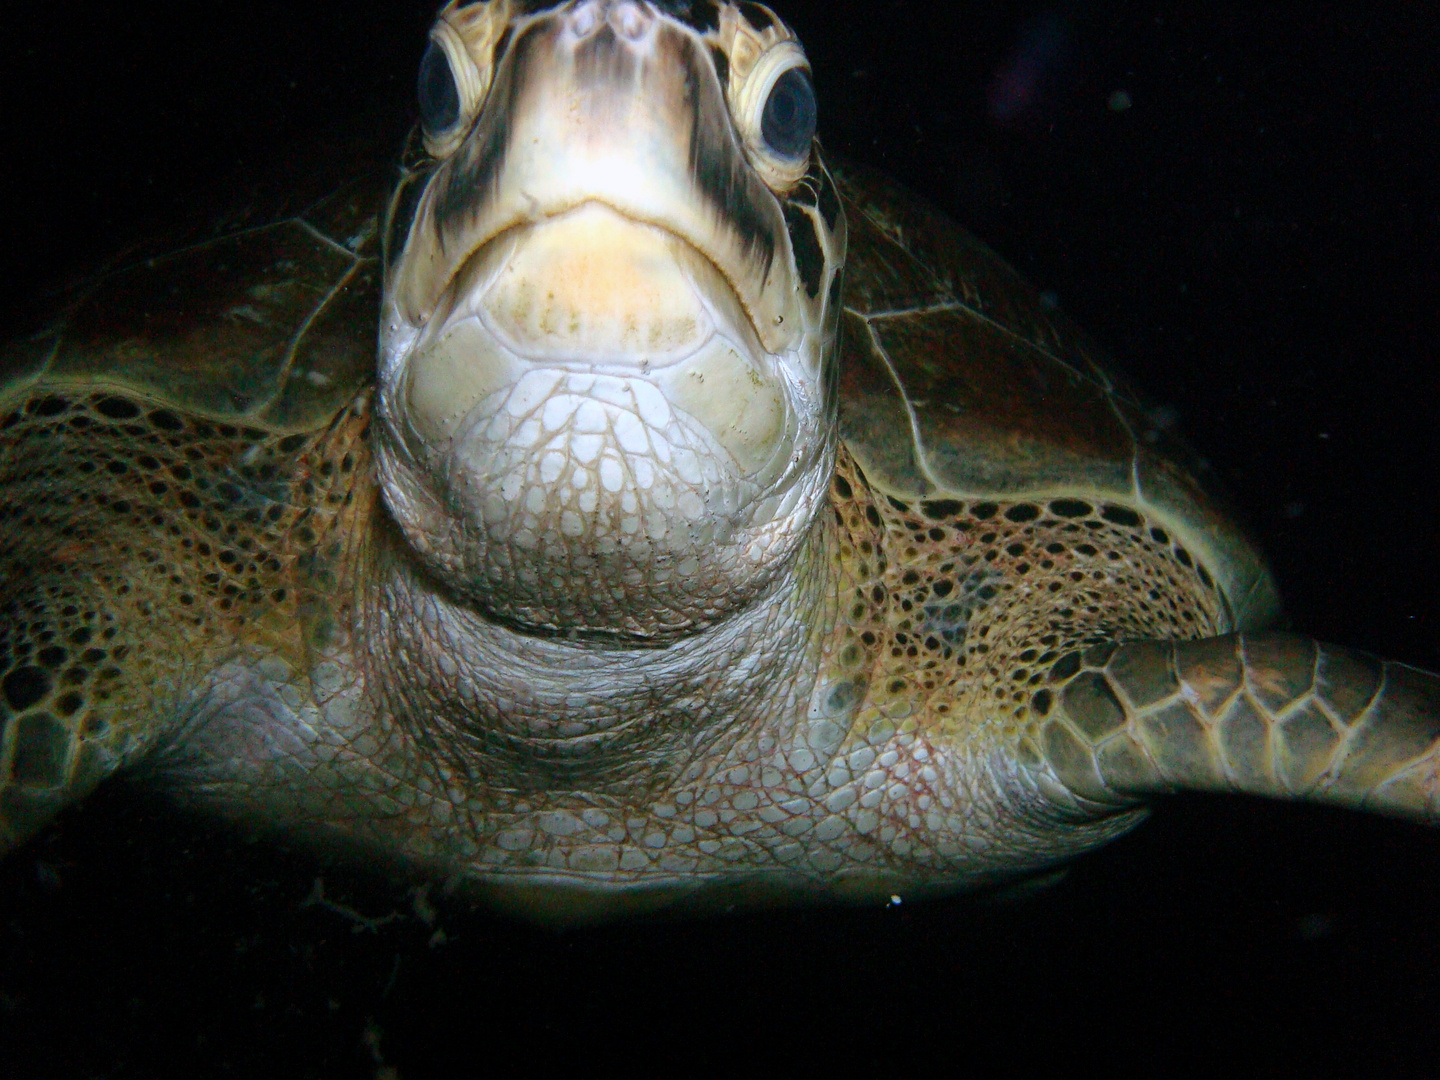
(914, 709)
(855, 733)
(144, 550)
(918, 692)
(1272, 714)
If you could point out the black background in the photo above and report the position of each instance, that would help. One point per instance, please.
(1255, 238)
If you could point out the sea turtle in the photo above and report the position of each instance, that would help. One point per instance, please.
(716, 525)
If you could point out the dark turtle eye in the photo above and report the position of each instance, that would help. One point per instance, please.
(788, 122)
(439, 96)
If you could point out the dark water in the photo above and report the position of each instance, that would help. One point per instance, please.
(1255, 237)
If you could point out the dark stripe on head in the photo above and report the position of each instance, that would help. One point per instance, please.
(809, 254)
(471, 175)
(700, 15)
(603, 60)
(757, 16)
(504, 43)
(829, 197)
(704, 15)
(832, 360)
(718, 164)
(817, 190)
(722, 67)
(412, 171)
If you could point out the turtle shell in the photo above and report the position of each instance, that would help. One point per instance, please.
(957, 384)
(264, 318)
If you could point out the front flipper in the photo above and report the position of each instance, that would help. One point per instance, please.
(1266, 714)
(79, 696)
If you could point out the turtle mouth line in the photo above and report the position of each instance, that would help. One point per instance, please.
(593, 282)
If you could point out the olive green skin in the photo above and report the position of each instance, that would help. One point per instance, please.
(257, 333)
(245, 359)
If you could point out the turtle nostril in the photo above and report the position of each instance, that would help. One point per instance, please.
(584, 18)
(628, 20)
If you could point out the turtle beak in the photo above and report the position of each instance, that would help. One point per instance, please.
(625, 114)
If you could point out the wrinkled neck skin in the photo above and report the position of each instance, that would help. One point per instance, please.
(607, 410)
(504, 710)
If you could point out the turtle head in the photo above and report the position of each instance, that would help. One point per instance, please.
(607, 364)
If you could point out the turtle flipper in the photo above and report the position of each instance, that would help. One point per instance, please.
(1267, 714)
(69, 716)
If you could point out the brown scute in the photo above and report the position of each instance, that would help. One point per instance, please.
(1179, 743)
(1005, 397)
(1280, 668)
(874, 423)
(984, 612)
(1244, 736)
(1306, 743)
(1074, 763)
(1408, 727)
(134, 538)
(977, 420)
(1093, 706)
(915, 257)
(1347, 682)
(1211, 669)
(1127, 766)
(217, 343)
(1147, 672)
(273, 326)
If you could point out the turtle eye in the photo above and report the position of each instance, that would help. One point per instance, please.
(788, 123)
(451, 86)
(439, 96)
(773, 105)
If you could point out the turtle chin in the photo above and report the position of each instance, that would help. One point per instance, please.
(635, 495)
(588, 503)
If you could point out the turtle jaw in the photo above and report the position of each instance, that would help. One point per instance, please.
(608, 339)
(588, 436)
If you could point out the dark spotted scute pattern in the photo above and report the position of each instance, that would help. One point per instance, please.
(957, 381)
(156, 488)
(974, 606)
(133, 538)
